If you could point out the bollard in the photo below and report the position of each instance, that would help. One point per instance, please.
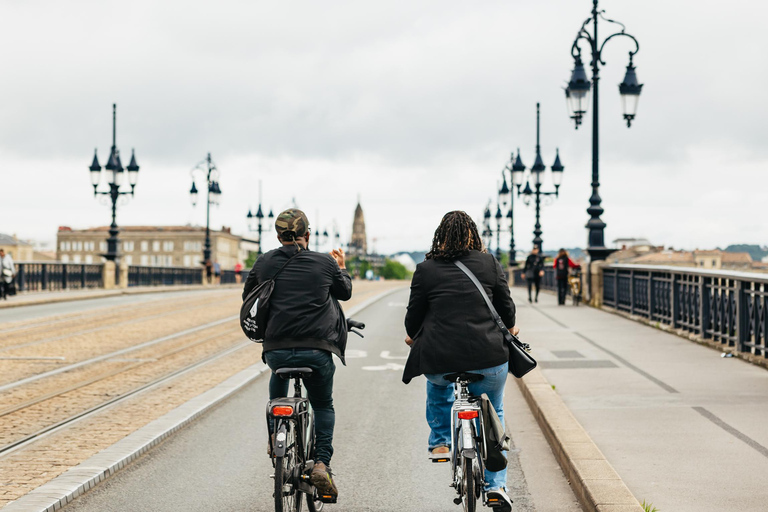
(108, 275)
(123, 282)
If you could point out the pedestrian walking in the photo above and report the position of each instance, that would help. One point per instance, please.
(563, 264)
(450, 330)
(534, 271)
(238, 272)
(217, 272)
(7, 273)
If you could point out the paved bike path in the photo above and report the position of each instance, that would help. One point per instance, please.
(220, 463)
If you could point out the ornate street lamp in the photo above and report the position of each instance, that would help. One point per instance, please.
(211, 173)
(537, 176)
(255, 221)
(577, 96)
(504, 193)
(115, 173)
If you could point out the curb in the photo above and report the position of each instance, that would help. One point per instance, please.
(594, 481)
(112, 293)
(54, 495)
(78, 480)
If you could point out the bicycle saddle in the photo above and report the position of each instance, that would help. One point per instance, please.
(292, 373)
(467, 376)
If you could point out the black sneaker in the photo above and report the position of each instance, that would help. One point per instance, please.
(498, 500)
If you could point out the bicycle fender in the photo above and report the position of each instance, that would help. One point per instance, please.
(281, 441)
(468, 444)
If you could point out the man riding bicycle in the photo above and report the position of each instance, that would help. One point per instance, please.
(305, 325)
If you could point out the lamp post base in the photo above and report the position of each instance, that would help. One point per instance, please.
(599, 253)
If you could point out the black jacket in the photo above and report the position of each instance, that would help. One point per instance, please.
(452, 328)
(535, 264)
(303, 308)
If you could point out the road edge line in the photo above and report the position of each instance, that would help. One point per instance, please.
(78, 480)
(596, 484)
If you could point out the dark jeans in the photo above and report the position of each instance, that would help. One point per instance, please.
(319, 390)
(531, 282)
(562, 289)
(4, 287)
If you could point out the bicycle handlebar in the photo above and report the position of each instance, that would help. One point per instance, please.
(352, 324)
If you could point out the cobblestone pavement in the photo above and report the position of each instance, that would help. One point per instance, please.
(153, 340)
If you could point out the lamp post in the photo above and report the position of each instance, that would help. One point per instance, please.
(504, 192)
(114, 179)
(518, 170)
(255, 221)
(208, 168)
(577, 96)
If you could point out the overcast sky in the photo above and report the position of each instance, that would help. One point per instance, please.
(415, 106)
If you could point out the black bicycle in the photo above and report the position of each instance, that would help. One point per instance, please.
(293, 449)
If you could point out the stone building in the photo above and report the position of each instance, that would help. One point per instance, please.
(18, 249)
(154, 246)
(358, 244)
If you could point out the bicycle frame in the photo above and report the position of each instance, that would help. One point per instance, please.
(467, 436)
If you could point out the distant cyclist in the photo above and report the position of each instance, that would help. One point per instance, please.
(450, 329)
(305, 326)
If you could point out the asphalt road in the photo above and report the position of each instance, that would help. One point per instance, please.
(220, 462)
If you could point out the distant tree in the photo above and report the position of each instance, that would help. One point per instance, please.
(252, 257)
(755, 251)
(394, 270)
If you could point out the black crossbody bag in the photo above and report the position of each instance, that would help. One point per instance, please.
(520, 361)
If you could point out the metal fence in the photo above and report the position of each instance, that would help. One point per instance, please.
(37, 277)
(548, 282)
(730, 308)
(229, 277)
(159, 276)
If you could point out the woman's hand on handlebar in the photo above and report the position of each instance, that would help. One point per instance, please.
(408, 341)
(514, 331)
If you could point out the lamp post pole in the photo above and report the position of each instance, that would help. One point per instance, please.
(518, 170)
(577, 94)
(256, 225)
(208, 167)
(114, 179)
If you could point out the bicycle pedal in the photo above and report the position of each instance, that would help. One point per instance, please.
(457, 501)
(444, 459)
(327, 498)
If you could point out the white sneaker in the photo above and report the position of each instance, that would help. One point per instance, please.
(498, 500)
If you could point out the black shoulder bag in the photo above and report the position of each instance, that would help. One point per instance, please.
(254, 312)
(520, 362)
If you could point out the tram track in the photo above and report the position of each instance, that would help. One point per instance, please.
(72, 419)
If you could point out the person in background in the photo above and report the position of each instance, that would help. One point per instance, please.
(238, 272)
(534, 271)
(217, 272)
(563, 263)
(7, 271)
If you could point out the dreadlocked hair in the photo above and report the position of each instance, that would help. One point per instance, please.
(455, 236)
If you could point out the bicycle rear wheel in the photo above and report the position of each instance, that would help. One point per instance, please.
(287, 497)
(469, 497)
(313, 502)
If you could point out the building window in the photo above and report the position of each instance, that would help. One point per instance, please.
(156, 246)
(65, 258)
(187, 260)
(128, 260)
(167, 246)
(144, 258)
(144, 246)
(192, 246)
(128, 246)
(103, 246)
(169, 261)
(76, 258)
(88, 258)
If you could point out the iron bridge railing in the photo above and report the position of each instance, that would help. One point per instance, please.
(548, 282)
(38, 277)
(730, 308)
(159, 276)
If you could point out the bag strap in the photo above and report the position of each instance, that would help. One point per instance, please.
(494, 313)
(284, 265)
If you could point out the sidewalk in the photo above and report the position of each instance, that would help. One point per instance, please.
(683, 427)
(35, 298)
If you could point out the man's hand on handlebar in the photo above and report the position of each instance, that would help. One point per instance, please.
(514, 331)
(338, 255)
(408, 340)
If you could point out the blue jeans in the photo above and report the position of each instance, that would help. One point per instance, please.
(439, 402)
(319, 390)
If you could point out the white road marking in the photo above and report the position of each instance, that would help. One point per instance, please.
(385, 355)
(384, 367)
(355, 354)
(397, 304)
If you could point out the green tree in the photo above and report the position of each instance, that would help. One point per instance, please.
(394, 270)
(252, 257)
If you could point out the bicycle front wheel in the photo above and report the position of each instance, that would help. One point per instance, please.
(286, 495)
(469, 498)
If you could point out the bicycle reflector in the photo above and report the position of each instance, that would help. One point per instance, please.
(283, 410)
(467, 415)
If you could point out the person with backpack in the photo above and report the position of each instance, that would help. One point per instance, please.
(563, 264)
(305, 325)
(450, 329)
(534, 271)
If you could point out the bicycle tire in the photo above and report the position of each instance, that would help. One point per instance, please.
(284, 468)
(469, 498)
(313, 502)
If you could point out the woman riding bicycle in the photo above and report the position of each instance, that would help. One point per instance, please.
(451, 330)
